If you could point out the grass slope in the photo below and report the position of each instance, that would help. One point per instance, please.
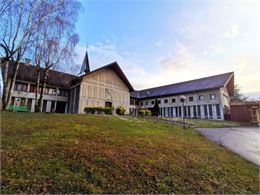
(52, 153)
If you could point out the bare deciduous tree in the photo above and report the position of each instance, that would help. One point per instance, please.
(55, 43)
(21, 20)
(4, 5)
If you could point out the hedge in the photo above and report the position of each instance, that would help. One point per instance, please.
(98, 110)
(144, 112)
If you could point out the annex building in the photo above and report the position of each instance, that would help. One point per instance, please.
(108, 86)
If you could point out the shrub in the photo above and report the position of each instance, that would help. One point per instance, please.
(141, 112)
(98, 110)
(108, 110)
(120, 110)
(148, 112)
(145, 112)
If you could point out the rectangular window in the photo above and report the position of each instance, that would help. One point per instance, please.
(218, 111)
(199, 112)
(185, 111)
(141, 103)
(146, 103)
(188, 111)
(210, 111)
(179, 111)
(46, 90)
(132, 102)
(12, 100)
(194, 112)
(44, 106)
(152, 102)
(191, 98)
(173, 100)
(32, 88)
(54, 92)
(24, 87)
(52, 106)
(171, 111)
(22, 102)
(20, 86)
(205, 111)
(212, 96)
(201, 97)
(166, 101)
(159, 101)
(29, 104)
(50, 91)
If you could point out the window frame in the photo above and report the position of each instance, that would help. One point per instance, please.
(201, 97)
(212, 95)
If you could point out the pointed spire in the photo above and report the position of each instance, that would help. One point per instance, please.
(85, 65)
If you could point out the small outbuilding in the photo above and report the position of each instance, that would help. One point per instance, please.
(248, 112)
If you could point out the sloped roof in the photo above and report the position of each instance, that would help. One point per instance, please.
(29, 73)
(201, 84)
(114, 66)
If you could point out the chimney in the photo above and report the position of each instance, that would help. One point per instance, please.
(27, 61)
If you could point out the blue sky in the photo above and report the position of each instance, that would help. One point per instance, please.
(162, 42)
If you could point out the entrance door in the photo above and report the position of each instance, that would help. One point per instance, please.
(254, 115)
(108, 104)
(60, 108)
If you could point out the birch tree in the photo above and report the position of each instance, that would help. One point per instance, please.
(20, 21)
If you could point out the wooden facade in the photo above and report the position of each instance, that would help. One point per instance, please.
(248, 112)
(101, 87)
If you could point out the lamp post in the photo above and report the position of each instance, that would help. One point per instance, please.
(183, 98)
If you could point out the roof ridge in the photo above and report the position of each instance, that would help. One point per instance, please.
(186, 81)
(23, 64)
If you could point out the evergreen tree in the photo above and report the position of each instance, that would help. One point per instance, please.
(156, 108)
(238, 95)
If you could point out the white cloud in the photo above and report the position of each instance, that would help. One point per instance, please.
(181, 58)
(232, 32)
(101, 54)
(159, 43)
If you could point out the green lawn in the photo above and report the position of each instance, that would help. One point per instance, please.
(55, 153)
(208, 123)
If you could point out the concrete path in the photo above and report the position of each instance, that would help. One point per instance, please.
(245, 141)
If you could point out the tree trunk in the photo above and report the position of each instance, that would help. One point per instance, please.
(5, 83)
(43, 88)
(11, 88)
(36, 107)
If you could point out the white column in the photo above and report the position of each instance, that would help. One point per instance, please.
(33, 105)
(214, 111)
(191, 112)
(208, 110)
(202, 111)
(48, 106)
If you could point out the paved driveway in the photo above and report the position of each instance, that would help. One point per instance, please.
(244, 141)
